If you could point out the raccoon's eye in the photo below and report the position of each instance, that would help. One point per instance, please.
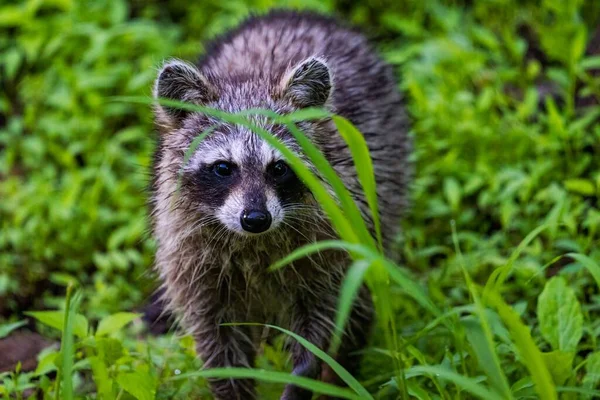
(223, 169)
(280, 169)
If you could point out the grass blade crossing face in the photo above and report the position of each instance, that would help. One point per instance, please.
(364, 168)
(338, 218)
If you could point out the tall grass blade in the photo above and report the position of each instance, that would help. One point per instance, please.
(347, 203)
(312, 248)
(479, 333)
(348, 293)
(411, 288)
(364, 168)
(67, 347)
(326, 358)
(497, 278)
(463, 382)
(192, 149)
(275, 377)
(529, 352)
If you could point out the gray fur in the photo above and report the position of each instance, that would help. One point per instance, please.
(213, 274)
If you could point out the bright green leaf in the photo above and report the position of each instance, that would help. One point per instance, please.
(114, 323)
(140, 384)
(560, 316)
(560, 365)
(55, 319)
(581, 186)
(6, 329)
(589, 263)
(592, 370)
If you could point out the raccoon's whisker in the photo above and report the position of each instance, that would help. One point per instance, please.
(219, 234)
(199, 223)
(313, 213)
(297, 230)
(294, 208)
(312, 223)
(308, 239)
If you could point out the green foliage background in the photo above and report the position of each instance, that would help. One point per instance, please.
(494, 154)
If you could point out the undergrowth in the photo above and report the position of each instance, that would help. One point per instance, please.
(496, 294)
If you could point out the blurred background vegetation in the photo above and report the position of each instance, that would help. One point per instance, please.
(503, 94)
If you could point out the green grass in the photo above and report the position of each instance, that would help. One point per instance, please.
(497, 291)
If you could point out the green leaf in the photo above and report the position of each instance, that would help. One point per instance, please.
(555, 119)
(487, 358)
(276, 377)
(46, 362)
(55, 319)
(587, 393)
(592, 371)
(452, 192)
(560, 365)
(560, 316)
(101, 377)
(13, 16)
(6, 329)
(468, 384)
(114, 323)
(578, 44)
(109, 350)
(581, 186)
(589, 263)
(418, 392)
(592, 62)
(139, 384)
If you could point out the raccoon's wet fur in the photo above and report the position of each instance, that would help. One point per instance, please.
(239, 207)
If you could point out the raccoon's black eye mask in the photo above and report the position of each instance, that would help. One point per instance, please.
(288, 186)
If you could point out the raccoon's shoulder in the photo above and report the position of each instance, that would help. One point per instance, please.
(267, 45)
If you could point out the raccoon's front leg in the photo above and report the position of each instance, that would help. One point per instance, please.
(316, 326)
(227, 346)
(356, 337)
(314, 323)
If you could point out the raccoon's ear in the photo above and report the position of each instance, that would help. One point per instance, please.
(178, 80)
(308, 84)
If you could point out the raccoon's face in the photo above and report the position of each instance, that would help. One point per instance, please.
(242, 182)
(233, 177)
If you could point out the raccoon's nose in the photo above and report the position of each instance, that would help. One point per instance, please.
(255, 221)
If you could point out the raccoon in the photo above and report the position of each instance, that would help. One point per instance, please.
(224, 214)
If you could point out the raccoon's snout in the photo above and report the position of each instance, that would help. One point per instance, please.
(255, 221)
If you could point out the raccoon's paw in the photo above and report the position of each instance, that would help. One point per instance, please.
(311, 368)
